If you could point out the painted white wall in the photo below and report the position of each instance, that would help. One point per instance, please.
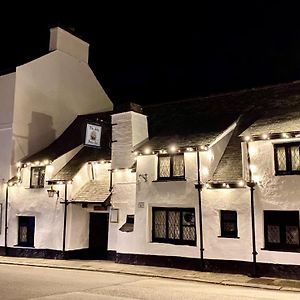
(50, 92)
(124, 199)
(68, 43)
(216, 247)
(272, 193)
(131, 129)
(2, 220)
(77, 227)
(48, 214)
(7, 87)
(209, 159)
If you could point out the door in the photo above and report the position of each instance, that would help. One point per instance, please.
(98, 235)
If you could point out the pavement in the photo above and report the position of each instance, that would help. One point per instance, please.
(270, 283)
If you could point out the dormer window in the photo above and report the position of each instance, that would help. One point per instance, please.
(171, 166)
(287, 158)
(37, 177)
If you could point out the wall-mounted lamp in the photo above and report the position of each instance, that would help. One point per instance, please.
(52, 192)
(144, 176)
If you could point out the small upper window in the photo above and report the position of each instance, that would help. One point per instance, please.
(228, 223)
(287, 158)
(37, 177)
(171, 166)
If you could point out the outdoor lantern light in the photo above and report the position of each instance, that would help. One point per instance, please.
(51, 192)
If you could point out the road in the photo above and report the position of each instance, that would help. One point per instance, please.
(23, 282)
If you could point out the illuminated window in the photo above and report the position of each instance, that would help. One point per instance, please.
(281, 230)
(171, 166)
(228, 223)
(37, 177)
(287, 159)
(26, 231)
(174, 225)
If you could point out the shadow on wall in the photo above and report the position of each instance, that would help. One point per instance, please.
(41, 132)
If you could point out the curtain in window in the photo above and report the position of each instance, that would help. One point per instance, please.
(164, 166)
(295, 158)
(281, 159)
(178, 165)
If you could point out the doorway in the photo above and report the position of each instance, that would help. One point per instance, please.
(98, 235)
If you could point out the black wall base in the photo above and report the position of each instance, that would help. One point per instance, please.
(210, 265)
(45, 253)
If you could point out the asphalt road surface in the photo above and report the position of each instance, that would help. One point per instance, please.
(22, 282)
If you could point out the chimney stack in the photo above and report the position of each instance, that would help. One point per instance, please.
(66, 42)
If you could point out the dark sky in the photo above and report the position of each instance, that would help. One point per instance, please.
(152, 54)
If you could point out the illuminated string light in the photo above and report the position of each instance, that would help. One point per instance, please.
(241, 183)
(173, 148)
(247, 138)
(147, 151)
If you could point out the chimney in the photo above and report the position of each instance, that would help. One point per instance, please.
(129, 130)
(66, 42)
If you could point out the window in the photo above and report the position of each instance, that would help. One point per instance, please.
(37, 177)
(228, 223)
(281, 230)
(26, 231)
(174, 225)
(171, 166)
(287, 158)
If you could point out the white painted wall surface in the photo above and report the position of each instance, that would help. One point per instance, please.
(209, 159)
(68, 43)
(48, 214)
(272, 193)
(50, 92)
(2, 220)
(7, 87)
(124, 199)
(216, 247)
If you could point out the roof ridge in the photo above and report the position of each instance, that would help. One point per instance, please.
(234, 93)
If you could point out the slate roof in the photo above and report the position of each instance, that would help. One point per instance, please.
(275, 122)
(200, 120)
(93, 192)
(72, 137)
(230, 167)
(86, 154)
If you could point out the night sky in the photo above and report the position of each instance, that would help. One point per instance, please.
(153, 54)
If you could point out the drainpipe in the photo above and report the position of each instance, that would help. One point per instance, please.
(199, 188)
(6, 220)
(65, 220)
(251, 184)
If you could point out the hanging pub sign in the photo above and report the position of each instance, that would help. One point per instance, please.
(92, 135)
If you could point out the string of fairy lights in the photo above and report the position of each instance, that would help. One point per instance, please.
(173, 149)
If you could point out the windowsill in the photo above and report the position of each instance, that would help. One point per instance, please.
(228, 237)
(169, 179)
(174, 244)
(287, 174)
(36, 187)
(27, 247)
(296, 250)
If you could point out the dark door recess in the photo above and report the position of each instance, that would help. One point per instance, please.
(98, 235)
